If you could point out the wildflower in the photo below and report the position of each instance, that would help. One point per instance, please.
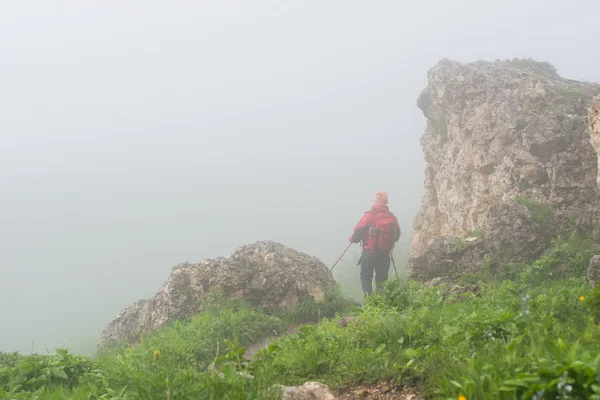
(581, 298)
(156, 354)
(461, 397)
(568, 388)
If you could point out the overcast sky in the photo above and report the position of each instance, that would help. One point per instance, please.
(135, 135)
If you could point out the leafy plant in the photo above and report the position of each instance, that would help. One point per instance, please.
(568, 259)
(310, 310)
(542, 214)
(62, 369)
(459, 246)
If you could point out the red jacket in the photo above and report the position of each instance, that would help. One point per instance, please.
(361, 230)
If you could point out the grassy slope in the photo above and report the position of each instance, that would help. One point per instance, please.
(532, 336)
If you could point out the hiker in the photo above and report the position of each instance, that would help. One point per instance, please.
(378, 230)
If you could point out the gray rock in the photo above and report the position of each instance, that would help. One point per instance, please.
(266, 274)
(594, 119)
(512, 234)
(449, 257)
(346, 320)
(497, 130)
(531, 174)
(593, 271)
(308, 391)
(423, 102)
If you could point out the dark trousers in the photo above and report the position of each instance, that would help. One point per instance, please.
(373, 263)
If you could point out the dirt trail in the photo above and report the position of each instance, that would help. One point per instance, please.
(382, 390)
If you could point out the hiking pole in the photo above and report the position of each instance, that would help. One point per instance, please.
(394, 264)
(338, 260)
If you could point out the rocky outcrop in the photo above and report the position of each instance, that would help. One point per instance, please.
(498, 131)
(266, 274)
(511, 233)
(595, 128)
(593, 271)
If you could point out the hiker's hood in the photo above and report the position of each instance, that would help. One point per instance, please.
(380, 208)
(381, 198)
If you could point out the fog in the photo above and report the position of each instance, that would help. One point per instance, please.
(138, 135)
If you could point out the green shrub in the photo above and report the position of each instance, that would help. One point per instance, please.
(471, 279)
(395, 294)
(310, 310)
(31, 374)
(12, 359)
(568, 259)
(542, 213)
(543, 68)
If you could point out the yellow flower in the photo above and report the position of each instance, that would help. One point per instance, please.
(581, 298)
(461, 397)
(156, 354)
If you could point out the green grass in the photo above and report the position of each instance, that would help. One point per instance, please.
(183, 359)
(475, 345)
(521, 331)
(308, 309)
(542, 68)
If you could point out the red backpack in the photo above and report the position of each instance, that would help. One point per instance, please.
(382, 235)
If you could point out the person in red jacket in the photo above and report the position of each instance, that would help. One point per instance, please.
(378, 230)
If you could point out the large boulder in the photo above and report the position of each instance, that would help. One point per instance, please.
(265, 273)
(497, 131)
(512, 234)
(595, 129)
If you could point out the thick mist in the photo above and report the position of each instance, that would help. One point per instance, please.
(137, 135)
